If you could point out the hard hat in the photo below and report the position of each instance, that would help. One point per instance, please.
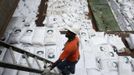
(74, 28)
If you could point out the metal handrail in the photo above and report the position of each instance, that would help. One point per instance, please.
(20, 67)
(23, 52)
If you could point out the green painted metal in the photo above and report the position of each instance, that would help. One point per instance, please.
(103, 15)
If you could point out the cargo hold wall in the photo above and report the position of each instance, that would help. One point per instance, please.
(7, 8)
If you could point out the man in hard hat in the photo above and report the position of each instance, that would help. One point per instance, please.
(70, 55)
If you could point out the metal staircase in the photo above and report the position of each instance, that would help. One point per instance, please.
(25, 55)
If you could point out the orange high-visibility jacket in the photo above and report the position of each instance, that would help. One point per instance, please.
(71, 51)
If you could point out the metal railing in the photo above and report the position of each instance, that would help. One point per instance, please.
(26, 54)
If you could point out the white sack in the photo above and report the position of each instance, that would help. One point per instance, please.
(16, 36)
(124, 66)
(27, 36)
(39, 36)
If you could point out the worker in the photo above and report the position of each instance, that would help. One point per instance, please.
(70, 55)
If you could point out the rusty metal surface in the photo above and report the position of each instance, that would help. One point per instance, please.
(42, 13)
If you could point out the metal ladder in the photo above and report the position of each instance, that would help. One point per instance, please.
(25, 54)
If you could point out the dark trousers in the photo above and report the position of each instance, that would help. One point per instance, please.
(67, 67)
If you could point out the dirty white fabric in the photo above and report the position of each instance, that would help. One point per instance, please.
(52, 53)
(99, 37)
(52, 36)
(9, 71)
(16, 54)
(124, 66)
(54, 19)
(131, 45)
(131, 38)
(16, 35)
(39, 36)
(27, 36)
(91, 64)
(107, 64)
(39, 51)
(31, 50)
(50, 40)
(132, 65)
(3, 51)
(93, 72)
(80, 71)
(116, 41)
